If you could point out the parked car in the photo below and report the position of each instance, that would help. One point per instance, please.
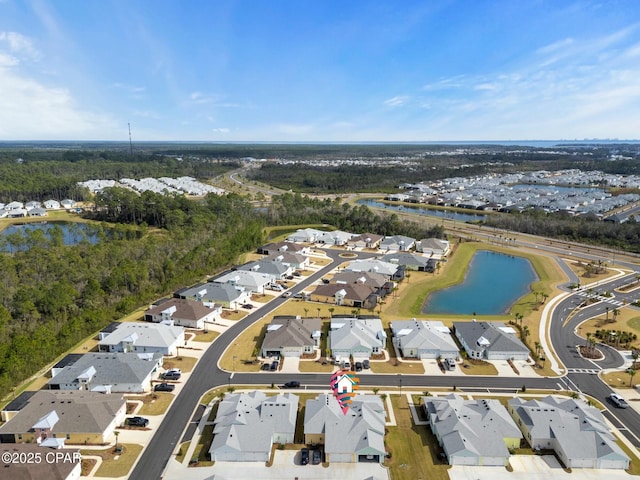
(325, 280)
(346, 365)
(274, 365)
(297, 295)
(171, 375)
(297, 274)
(316, 457)
(451, 363)
(365, 364)
(286, 295)
(358, 366)
(618, 401)
(248, 306)
(137, 422)
(292, 384)
(265, 366)
(164, 387)
(304, 456)
(289, 277)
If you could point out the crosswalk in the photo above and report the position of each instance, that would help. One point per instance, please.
(600, 298)
(590, 371)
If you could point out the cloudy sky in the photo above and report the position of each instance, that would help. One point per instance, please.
(326, 70)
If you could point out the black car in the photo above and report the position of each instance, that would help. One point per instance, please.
(316, 457)
(292, 384)
(164, 387)
(137, 422)
(297, 274)
(365, 364)
(265, 367)
(304, 456)
(248, 306)
(358, 366)
(274, 365)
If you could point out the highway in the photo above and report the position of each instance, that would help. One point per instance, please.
(207, 375)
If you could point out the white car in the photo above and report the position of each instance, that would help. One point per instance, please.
(618, 401)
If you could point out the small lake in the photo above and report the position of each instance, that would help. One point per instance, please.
(67, 233)
(461, 217)
(493, 283)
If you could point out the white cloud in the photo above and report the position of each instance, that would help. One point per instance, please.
(7, 60)
(20, 45)
(220, 130)
(397, 101)
(129, 88)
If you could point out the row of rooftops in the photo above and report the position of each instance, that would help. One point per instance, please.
(162, 185)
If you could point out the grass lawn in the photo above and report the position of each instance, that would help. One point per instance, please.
(479, 368)
(233, 314)
(414, 448)
(317, 367)
(182, 451)
(243, 348)
(209, 336)
(157, 405)
(115, 465)
(201, 452)
(628, 320)
(413, 368)
(618, 379)
(182, 362)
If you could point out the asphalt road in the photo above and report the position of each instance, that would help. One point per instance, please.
(207, 375)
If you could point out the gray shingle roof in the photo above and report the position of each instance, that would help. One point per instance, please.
(293, 332)
(494, 336)
(423, 335)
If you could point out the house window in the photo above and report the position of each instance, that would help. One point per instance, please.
(68, 437)
(19, 436)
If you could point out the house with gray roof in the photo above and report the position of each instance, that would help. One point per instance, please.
(297, 261)
(490, 341)
(359, 337)
(472, 432)
(283, 247)
(334, 237)
(69, 466)
(370, 279)
(77, 416)
(52, 204)
(108, 372)
(247, 425)
(433, 247)
(423, 339)
(288, 336)
(181, 312)
(577, 432)
(365, 240)
(141, 338)
(357, 436)
(277, 269)
(352, 295)
(408, 260)
(305, 235)
(250, 281)
(227, 295)
(390, 270)
(397, 243)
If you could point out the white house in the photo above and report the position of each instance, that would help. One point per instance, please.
(141, 338)
(250, 281)
(182, 312)
(52, 204)
(359, 337)
(423, 339)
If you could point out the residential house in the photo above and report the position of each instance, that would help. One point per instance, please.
(77, 417)
(37, 212)
(283, 247)
(397, 243)
(433, 247)
(210, 293)
(390, 270)
(31, 205)
(181, 312)
(51, 204)
(254, 282)
(141, 338)
(67, 360)
(16, 213)
(305, 235)
(377, 281)
(490, 341)
(68, 466)
(365, 240)
(108, 372)
(408, 260)
(351, 295)
(297, 261)
(576, 431)
(291, 337)
(68, 203)
(351, 437)
(14, 206)
(423, 339)
(274, 268)
(334, 237)
(247, 425)
(472, 432)
(359, 337)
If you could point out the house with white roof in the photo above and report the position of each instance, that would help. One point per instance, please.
(247, 425)
(472, 432)
(390, 270)
(296, 261)
(141, 338)
(305, 235)
(351, 437)
(68, 203)
(74, 416)
(288, 336)
(423, 339)
(409, 261)
(14, 206)
(359, 337)
(51, 204)
(210, 293)
(37, 212)
(490, 341)
(272, 267)
(283, 247)
(32, 204)
(182, 312)
(334, 237)
(577, 432)
(250, 281)
(433, 247)
(365, 240)
(108, 373)
(397, 243)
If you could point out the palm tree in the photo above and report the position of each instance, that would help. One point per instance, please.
(606, 318)
(538, 346)
(631, 372)
(306, 312)
(331, 310)
(525, 333)
(544, 297)
(116, 433)
(319, 312)
(519, 317)
(615, 313)
(634, 355)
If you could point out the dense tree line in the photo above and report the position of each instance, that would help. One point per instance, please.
(585, 229)
(291, 209)
(52, 296)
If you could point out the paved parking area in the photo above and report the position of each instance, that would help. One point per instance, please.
(533, 467)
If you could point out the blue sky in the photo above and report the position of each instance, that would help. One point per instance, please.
(330, 70)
